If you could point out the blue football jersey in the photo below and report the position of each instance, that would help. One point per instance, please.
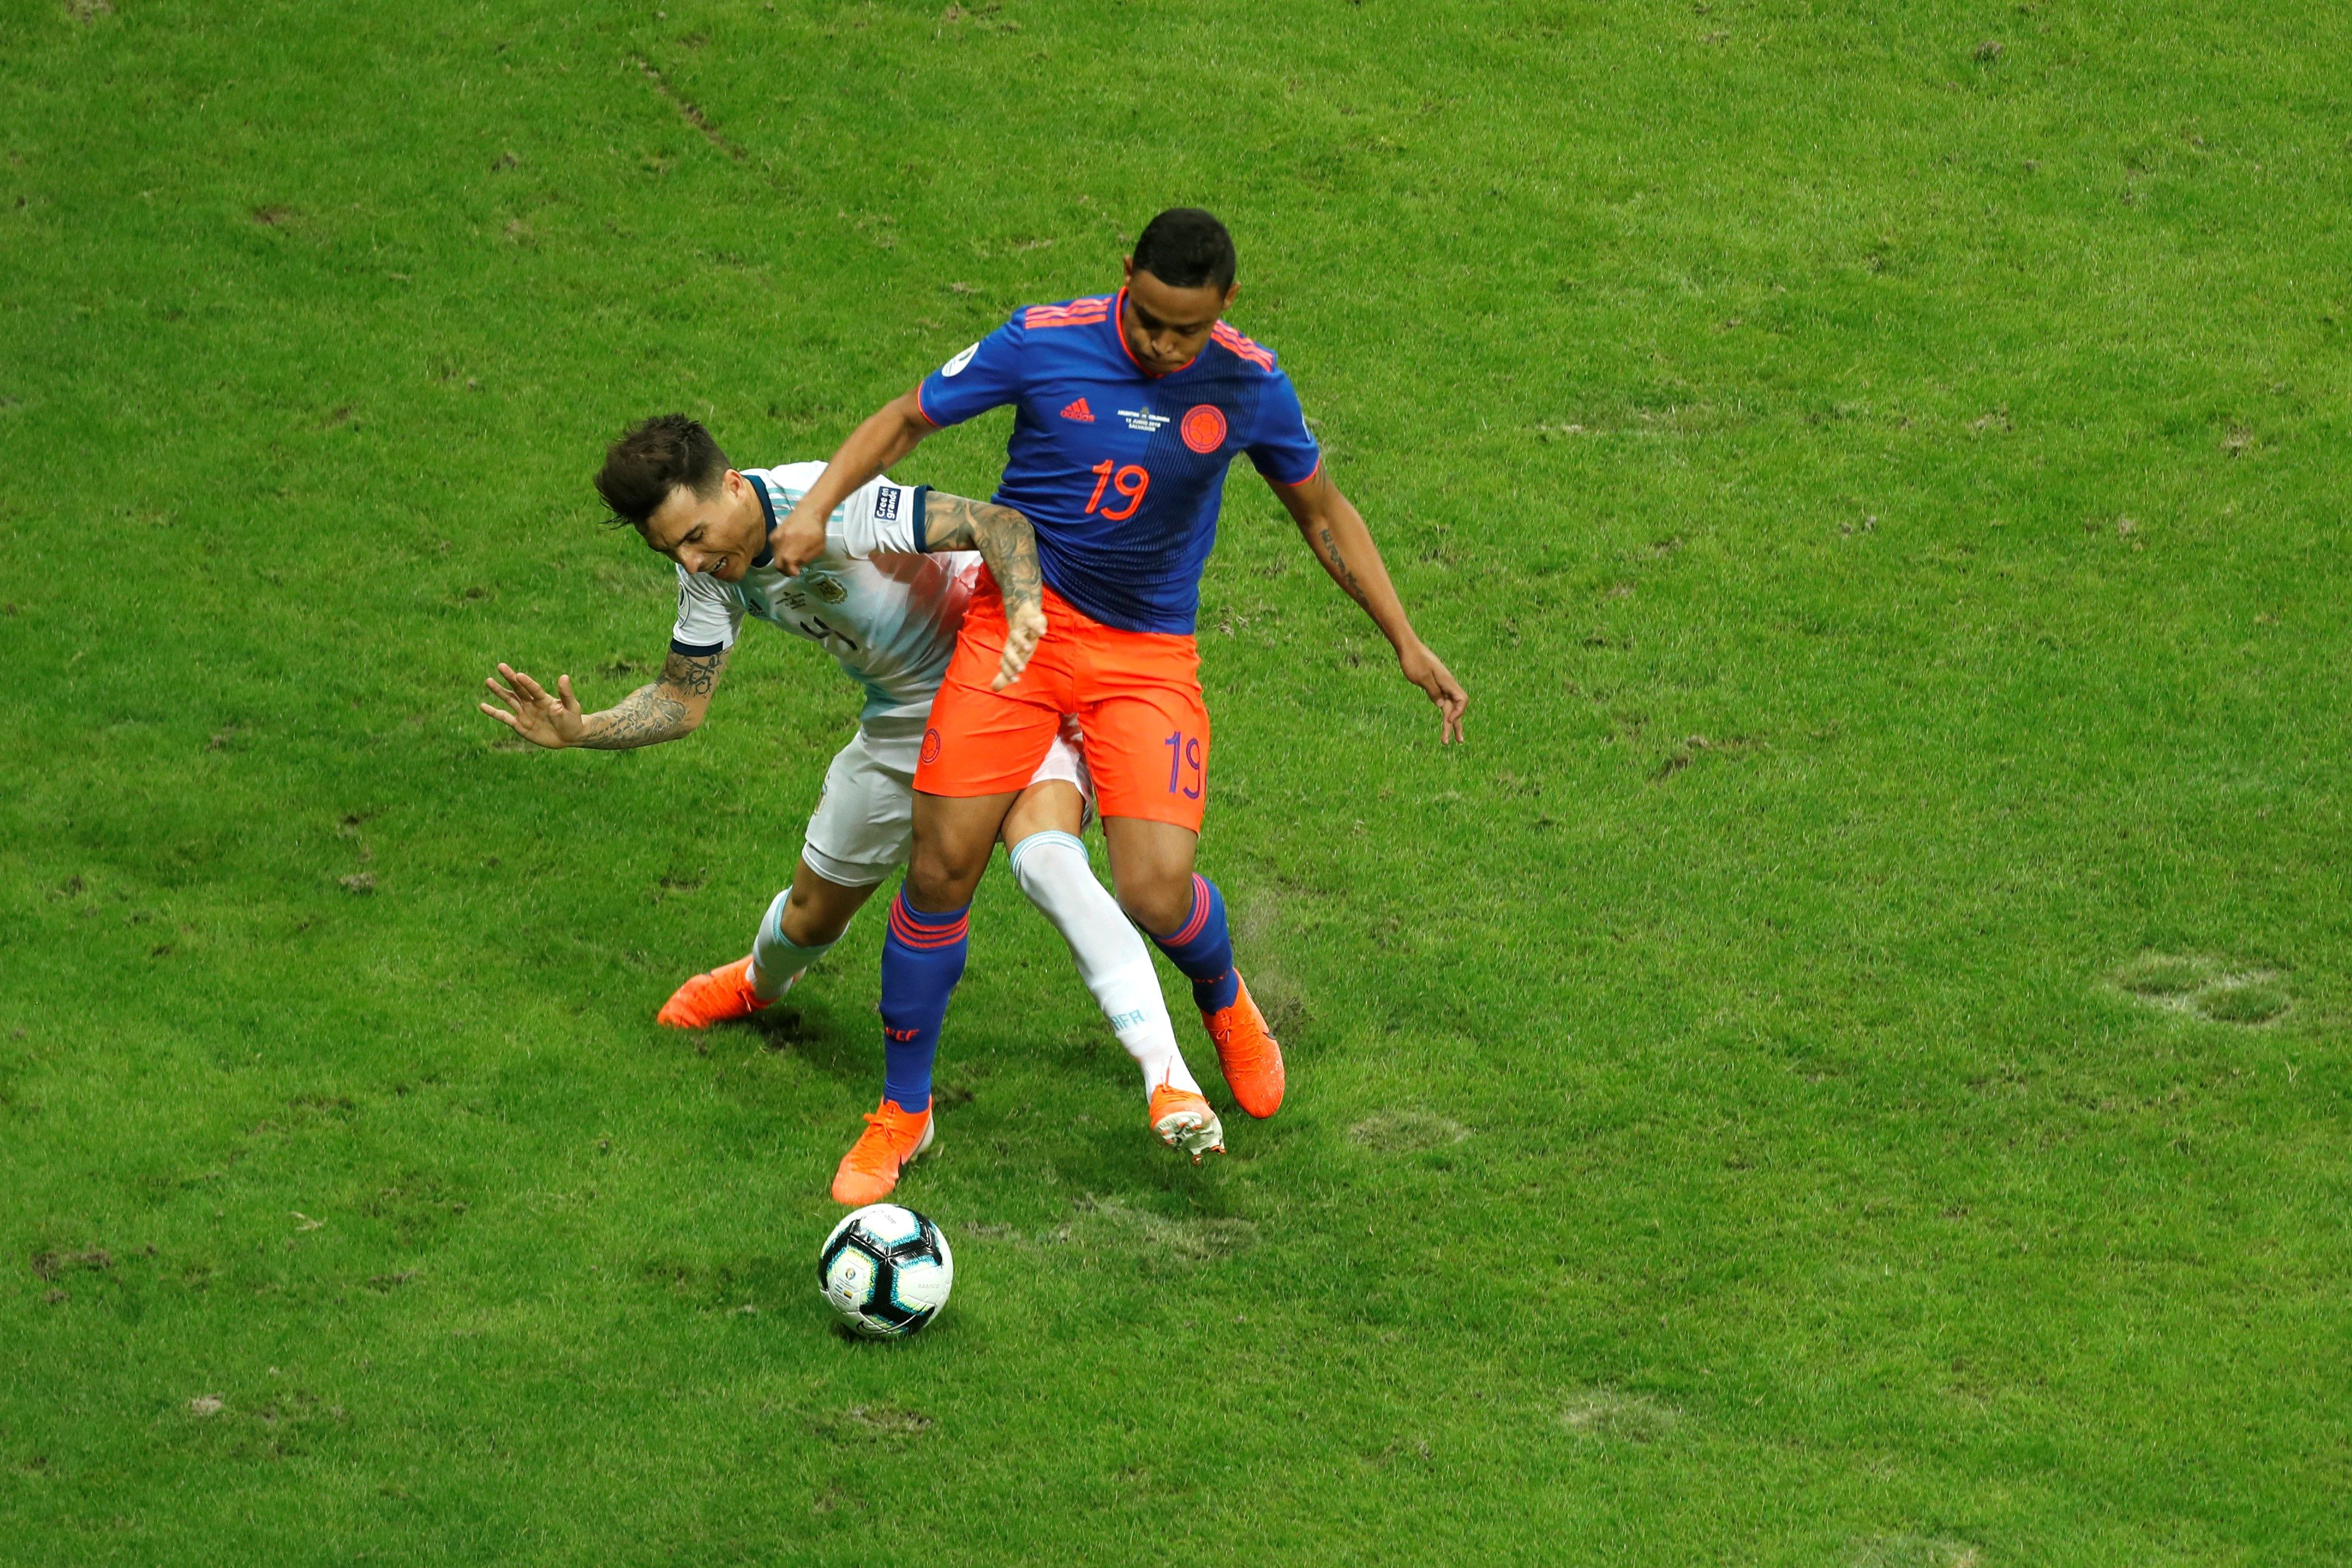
(1121, 473)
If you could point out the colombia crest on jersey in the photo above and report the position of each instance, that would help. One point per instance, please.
(1120, 472)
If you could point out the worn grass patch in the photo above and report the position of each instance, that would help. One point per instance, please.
(1194, 1239)
(1407, 1131)
(2167, 976)
(2207, 987)
(1917, 1551)
(874, 1423)
(2247, 999)
(1605, 1414)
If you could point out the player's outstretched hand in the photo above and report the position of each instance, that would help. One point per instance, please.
(550, 719)
(1023, 625)
(798, 539)
(1426, 670)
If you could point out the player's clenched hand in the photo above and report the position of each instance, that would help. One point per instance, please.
(1023, 625)
(550, 719)
(1426, 670)
(798, 539)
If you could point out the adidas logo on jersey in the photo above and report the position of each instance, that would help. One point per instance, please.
(1079, 412)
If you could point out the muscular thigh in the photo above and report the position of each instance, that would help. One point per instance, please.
(1060, 796)
(1148, 751)
(954, 835)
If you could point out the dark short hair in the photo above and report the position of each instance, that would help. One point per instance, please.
(652, 458)
(1185, 248)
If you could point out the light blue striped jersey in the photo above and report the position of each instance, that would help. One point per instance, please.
(888, 612)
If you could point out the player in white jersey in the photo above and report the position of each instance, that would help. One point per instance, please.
(886, 599)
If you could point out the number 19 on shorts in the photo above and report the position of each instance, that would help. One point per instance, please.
(1183, 765)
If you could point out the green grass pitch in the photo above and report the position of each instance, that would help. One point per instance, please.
(1847, 1066)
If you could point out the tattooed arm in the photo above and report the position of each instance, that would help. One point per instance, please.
(1009, 545)
(1335, 531)
(670, 708)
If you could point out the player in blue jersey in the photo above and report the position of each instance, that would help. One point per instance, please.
(886, 598)
(1128, 410)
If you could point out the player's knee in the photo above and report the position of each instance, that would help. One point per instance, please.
(942, 877)
(816, 912)
(1159, 903)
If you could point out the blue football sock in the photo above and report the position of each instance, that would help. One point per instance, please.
(1203, 949)
(922, 958)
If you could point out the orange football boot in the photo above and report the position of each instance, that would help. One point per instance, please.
(1184, 1120)
(892, 1139)
(713, 998)
(1248, 1053)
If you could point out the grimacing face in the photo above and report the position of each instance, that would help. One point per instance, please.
(1166, 327)
(719, 534)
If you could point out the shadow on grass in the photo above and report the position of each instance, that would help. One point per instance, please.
(847, 1050)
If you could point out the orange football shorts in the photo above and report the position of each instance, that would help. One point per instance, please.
(1136, 694)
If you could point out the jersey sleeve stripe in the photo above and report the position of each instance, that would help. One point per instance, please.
(919, 525)
(925, 412)
(696, 650)
(1234, 343)
(1074, 314)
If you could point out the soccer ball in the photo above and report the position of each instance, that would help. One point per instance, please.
(886, 1270)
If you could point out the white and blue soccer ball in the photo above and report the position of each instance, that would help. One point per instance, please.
(886, 1271)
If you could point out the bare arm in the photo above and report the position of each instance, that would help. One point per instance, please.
(1009, 545)
(671, 707)
(888, 436)
(1335, 531)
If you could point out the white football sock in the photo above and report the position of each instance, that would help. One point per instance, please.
(1052, 869)
(776, 961)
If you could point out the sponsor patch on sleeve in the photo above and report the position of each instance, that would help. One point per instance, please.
(886, 504)
(962, 359)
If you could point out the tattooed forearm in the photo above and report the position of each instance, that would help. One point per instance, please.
(646, 717)
(1002, 535)
(1334, 531)
(1009, 545)
(1326, 551)
(668, 708)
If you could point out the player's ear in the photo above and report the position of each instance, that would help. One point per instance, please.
(1126, 270)
(1230, 289)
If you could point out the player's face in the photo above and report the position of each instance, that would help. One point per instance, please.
(1166, 327)
(718, 534)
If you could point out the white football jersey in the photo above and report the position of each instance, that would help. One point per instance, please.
(874, 601)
